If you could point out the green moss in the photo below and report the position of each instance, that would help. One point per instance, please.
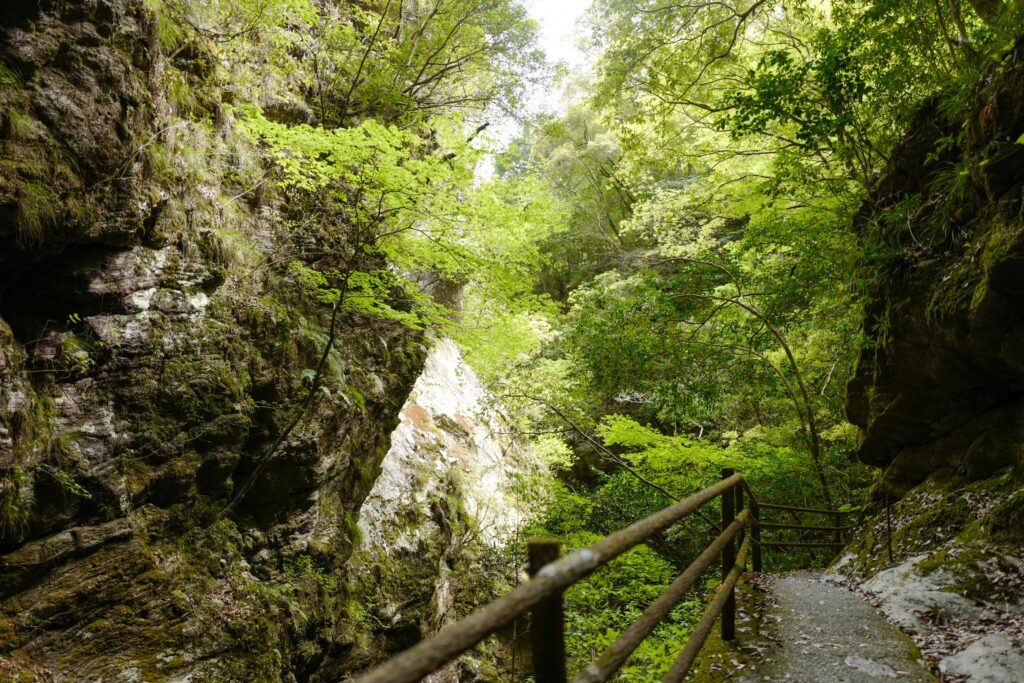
(971, 568)
(716, 657)
(952, 296)
(930, 514)
(34, 431)
(999, 241)
(352, 530)
(948, 561)
(159, 161)
(180, 93)
(975, 586)
(909, 645)
(10, 80)
(8, 635)
(18, 125)
(38, 208)
(99, 626)
(239, 248)
(170, 32)
(951, 514)
(15, 508)
(1005, 524)
(186, 465)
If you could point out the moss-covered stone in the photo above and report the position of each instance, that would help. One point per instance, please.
(949, 536)
(150, 357)
(1005, 524)
(940, 388)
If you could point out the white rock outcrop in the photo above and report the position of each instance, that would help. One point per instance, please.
(992, 659)
(906, 593)
(452, 443)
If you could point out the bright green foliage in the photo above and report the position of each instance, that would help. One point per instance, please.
(395, 61)
(710, 276)
(577, 158)
(684, 465)
(502, 315)
(604, 605)
(826, 87)
(394, 193)
(407, 200)
(397, 58)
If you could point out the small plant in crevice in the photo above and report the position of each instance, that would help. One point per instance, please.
(352, 531)
(38, 210)
(67, 482)
(17, 125)
(303, 567)
(15, 503)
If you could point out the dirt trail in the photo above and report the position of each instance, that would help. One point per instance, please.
(831, 635)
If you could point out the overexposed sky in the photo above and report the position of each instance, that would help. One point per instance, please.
(557, 19)
(558, 38)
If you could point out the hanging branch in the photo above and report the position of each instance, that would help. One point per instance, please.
(347, 101)
(800, 396)
(307, 404)
(613, 457)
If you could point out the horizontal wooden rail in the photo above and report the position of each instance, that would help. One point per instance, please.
(802, 544)
(767, 525)
(618, 652)
(714, 610)
(541, 595)
(793, 508)
(434, 652)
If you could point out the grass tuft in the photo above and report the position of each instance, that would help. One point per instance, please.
(37, 210)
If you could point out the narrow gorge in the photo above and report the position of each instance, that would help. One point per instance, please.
(314, 313)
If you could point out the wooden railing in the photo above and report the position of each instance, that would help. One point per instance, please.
(541, 596)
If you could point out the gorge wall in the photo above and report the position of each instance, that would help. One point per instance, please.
(940, 385)
(152, 350)
(938, 392)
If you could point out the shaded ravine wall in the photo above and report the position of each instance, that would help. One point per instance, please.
(940, 385)
(938, 391)
(152, 347)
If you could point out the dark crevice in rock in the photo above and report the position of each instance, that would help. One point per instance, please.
(44, 295)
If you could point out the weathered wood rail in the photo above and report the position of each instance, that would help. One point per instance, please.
(550, 575)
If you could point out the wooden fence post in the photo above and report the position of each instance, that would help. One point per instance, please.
(752, 520)
(888, 527)
(547, 621)
(728, 558)
(755, 537)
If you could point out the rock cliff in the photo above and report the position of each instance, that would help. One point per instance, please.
(152, 349)
(441, 521)
(938, 392)
(940, 384)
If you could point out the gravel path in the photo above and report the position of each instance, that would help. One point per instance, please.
(830, 635)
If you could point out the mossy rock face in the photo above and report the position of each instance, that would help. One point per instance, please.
(78, 108)
(967, 532)
(1005, 524)
(941, 390)
(147, 365)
